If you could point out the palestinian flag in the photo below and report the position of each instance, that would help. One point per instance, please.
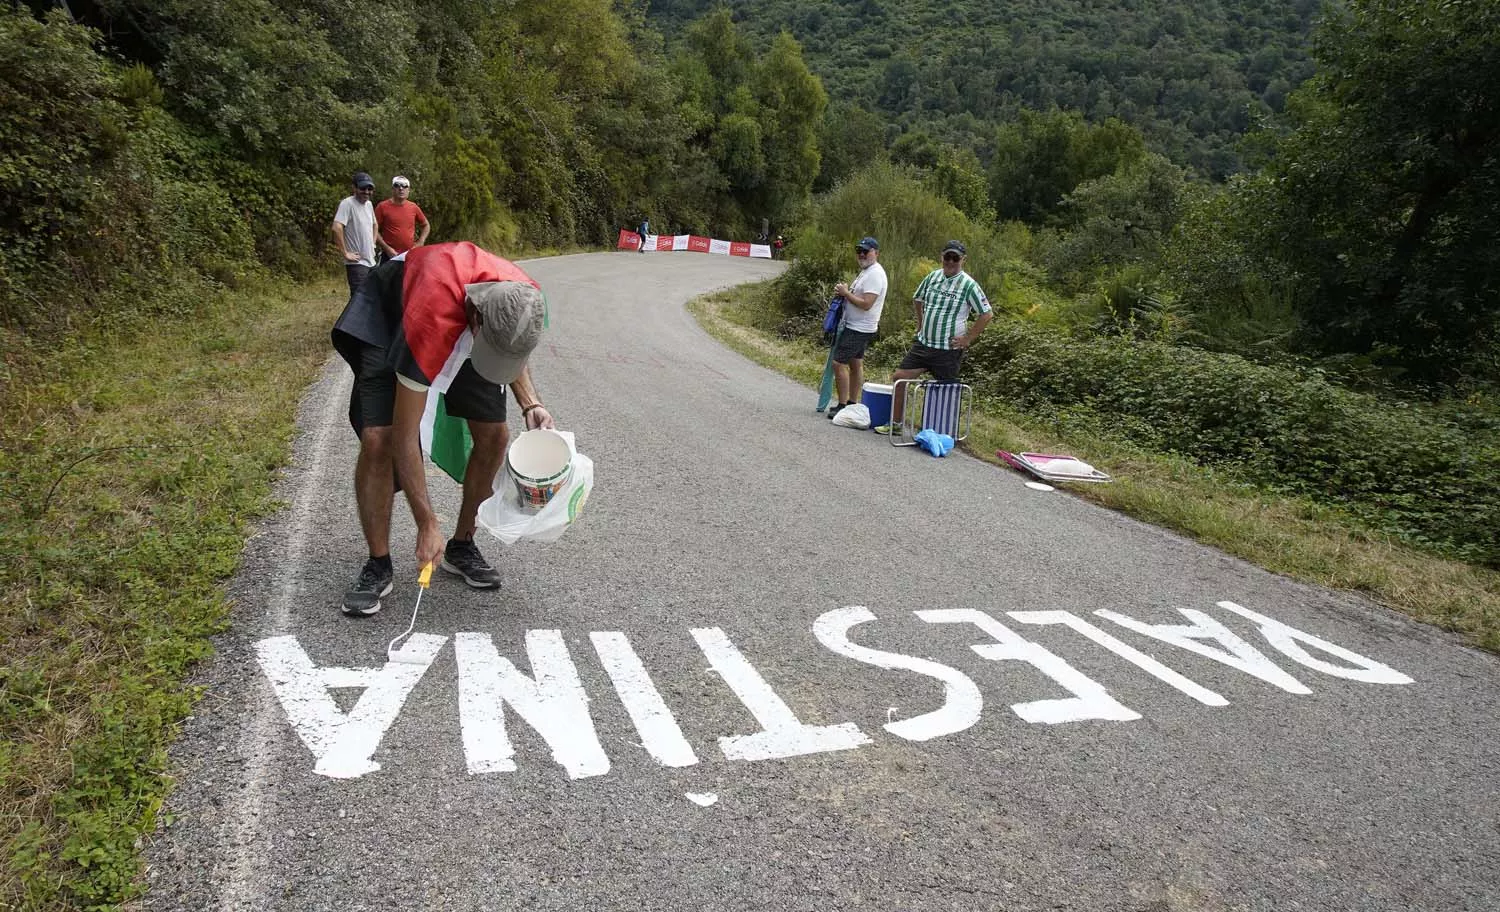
(436, 334)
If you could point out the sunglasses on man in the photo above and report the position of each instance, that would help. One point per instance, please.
(951, 258)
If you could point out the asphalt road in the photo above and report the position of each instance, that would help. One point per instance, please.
(778, 665)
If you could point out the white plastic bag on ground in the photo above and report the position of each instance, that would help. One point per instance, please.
(504, 517)
(855, 416)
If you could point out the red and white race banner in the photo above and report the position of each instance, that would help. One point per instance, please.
(630, 240)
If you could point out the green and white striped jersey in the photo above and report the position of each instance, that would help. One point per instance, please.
(946, 304)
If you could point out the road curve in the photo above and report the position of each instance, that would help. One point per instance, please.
(778, 665)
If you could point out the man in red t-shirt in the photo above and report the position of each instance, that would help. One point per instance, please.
(398, 218)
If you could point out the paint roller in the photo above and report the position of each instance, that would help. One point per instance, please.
(403, 654)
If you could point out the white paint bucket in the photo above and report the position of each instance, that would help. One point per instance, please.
(539, 463)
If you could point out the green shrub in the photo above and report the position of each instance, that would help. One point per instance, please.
(1422, 474)
(116, 212)
(912, 223)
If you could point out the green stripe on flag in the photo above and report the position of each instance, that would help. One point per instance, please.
(451, 443)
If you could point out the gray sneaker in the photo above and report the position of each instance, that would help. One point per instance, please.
(463, 559)
(374, 584)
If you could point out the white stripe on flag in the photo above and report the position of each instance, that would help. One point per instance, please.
(717, 246)
(679, 242)
(440, 384)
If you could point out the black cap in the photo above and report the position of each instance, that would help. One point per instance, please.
(361, 179)
(956, 247)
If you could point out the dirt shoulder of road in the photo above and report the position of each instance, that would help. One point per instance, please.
(1295, 538)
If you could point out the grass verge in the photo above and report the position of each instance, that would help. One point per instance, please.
(1292, 537)
(130, 470)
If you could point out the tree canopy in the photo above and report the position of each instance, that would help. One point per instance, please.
(1190, 76)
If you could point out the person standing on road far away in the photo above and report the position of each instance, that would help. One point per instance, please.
(399, 218)
(943, 302)
(399, 333)
(644, 229)
(354, 231)
(864, 301)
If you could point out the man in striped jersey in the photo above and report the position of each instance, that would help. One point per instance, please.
(943, 302)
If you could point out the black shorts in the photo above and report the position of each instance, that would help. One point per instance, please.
(942, 362)
(852, 345)
(372, 402)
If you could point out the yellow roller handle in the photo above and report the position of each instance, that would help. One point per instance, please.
(425, 579)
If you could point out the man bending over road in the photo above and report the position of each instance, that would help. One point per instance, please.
(398, 333)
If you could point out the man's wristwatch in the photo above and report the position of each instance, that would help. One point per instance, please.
(528, 409)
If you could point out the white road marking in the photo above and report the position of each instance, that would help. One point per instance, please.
(553, 703)
(962, 701)
(1285, 638)
(1129, 653)
(343, 744)
(246, 858)
(1236, 653)
(552, 700)
(1089, 701)
(660, 734)
(783, 734)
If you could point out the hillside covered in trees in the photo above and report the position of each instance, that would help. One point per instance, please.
(1190, 76)
(156, 154)
(155, 149)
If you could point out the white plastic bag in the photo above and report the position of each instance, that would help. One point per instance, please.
(508, 521)
(855, 416)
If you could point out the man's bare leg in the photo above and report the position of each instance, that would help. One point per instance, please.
(898, 393)
(841, 382)
(462, 555)
(856, 379)
(375, 488)
(490, 440)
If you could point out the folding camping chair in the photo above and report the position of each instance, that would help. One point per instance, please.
(945, 407)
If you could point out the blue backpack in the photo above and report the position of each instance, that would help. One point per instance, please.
(835, 313)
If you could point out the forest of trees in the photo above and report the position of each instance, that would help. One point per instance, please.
(1137, 171)
(1190, 76)
(156, 147)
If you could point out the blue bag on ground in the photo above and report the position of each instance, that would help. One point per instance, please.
(933, 442)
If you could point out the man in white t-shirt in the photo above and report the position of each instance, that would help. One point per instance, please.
(354, 231)
(864, 300)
